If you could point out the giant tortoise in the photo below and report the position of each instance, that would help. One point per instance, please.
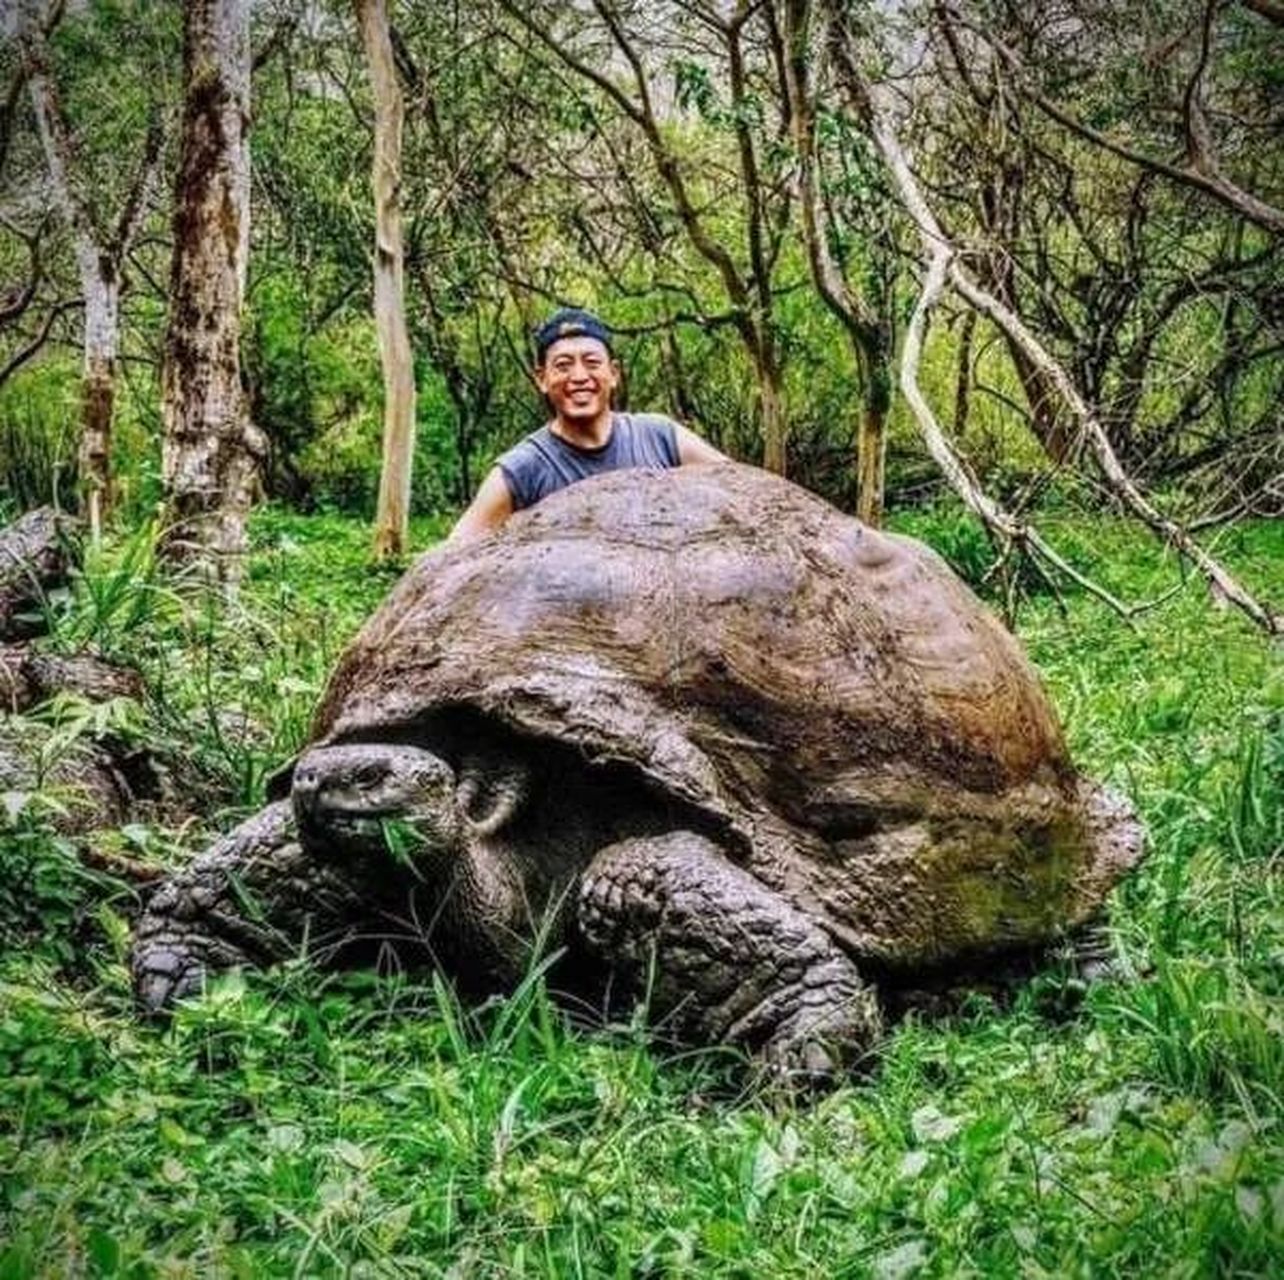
(709, 736)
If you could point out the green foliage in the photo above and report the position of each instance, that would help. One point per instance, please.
(42, 886)
(39, 433)
(296, 1123)
(49, 898)
(522, 186)
(115, 592)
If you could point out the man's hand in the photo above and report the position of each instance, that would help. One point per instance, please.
(493, 503)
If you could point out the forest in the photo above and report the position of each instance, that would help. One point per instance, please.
(1004, 279)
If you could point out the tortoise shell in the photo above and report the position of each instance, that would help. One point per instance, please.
(868, 738)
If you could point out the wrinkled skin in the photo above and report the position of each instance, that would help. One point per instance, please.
(752, 779)
(483, 860)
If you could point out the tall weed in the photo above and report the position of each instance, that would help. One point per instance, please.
(39, 436)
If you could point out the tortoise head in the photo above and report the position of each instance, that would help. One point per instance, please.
(373, 805)
(366, 799)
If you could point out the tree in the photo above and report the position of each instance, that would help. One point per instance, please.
(211, 451)
(393, 512)
(865, 313)
(1120, 266)
(101, 247)
(945, 265)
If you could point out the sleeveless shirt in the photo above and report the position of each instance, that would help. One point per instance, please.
(543, 462)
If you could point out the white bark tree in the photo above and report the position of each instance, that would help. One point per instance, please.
(393, 512)
(211, 451)
(100, 256)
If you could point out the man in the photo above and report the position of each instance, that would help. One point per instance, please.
(577, 372)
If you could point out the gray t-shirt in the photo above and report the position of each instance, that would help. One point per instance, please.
(543, 462)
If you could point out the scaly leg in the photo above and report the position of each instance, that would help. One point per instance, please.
(253, 898)
(733, 961)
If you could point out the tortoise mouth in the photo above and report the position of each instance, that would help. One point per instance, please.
(368, 797)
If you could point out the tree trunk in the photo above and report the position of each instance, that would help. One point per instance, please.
(101, 288)
(871, 454)
(872, 348)
(963, 380)
(775, 441)
(860, 314)
(99, 283)
(393, 513)
(1047, 420)
(211, 451)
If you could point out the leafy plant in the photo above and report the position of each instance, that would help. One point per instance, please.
(302, 1122)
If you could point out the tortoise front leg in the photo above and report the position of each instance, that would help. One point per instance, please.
(255, 897)
(733, 961)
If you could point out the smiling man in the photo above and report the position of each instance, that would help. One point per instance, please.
(577, 372)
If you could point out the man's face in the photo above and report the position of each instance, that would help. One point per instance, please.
(578, 376)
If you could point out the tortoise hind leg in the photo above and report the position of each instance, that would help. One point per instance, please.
(254, 897)
(733, 961)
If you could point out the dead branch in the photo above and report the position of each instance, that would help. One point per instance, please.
(1202, 171)
(138, 197)
(278, 39)
(18, 82)
(940, 254)
(55, 136)
(15, 305)
(1006, 529)
(1268, 9)
(123, 868)
(25, 353)
(868, 332)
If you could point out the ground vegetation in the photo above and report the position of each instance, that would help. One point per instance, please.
(1005, 277)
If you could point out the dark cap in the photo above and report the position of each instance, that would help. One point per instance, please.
(569, 322)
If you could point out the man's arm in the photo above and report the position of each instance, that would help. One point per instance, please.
(491, 506)
(692, 450)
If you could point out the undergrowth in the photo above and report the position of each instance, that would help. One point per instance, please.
(298, 1124)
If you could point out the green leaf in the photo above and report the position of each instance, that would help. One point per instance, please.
(104, 1251)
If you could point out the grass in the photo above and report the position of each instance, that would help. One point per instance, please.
(300, 1124)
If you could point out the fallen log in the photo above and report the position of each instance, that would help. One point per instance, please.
(28, 678)
(33, 559)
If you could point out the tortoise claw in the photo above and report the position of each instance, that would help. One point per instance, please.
(163, 976)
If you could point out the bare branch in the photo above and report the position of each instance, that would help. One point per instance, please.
(643, 115)
(55, 137)
(117, 864)
(19, 358)
(939, 253)
(139, 194)
(849, 307)
(276, 41)
(1272, 12)
(18, 83)
(1007, 530)
(1202, 173)
(1199, 139)
(20, 299)
(750, 178)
